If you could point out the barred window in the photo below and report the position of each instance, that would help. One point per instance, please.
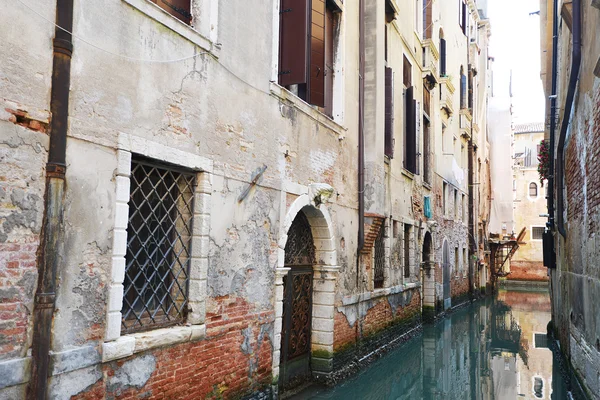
(159, 236)
(537, 232)
(379, 259)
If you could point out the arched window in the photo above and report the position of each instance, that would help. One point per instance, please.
(442, 54)
(533, 190)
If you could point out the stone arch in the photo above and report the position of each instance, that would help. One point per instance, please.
(325, 276)
(428, 276)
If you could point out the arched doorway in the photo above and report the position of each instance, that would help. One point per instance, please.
(428, 276)
(427, 254)
(446, 275)
(297, 304)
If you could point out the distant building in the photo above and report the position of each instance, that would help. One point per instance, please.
(529, 204)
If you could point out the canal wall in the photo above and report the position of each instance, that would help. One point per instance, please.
(367, 326)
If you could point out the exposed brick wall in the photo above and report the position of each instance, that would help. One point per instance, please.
(527, 271)
(343, 334)
(378, 318)
(574, 181)
(234, 359)
(18, 274)
(22, 158)
(459, 286)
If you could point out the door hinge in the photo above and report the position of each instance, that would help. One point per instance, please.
(285, 72)
(284, 11)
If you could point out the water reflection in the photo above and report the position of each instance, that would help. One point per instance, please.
(490, 350)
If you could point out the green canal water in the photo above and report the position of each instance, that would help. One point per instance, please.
(494, 349)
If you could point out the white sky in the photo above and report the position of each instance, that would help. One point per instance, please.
(515, 45)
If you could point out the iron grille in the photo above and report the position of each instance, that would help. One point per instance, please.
(300, 248)
(159, 236)
(379, 260)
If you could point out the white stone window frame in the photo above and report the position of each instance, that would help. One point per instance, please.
(202, 31)
(537, 190)
(115, 345)
(339, 87)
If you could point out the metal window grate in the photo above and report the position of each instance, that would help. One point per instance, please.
(537, 232)
(379, 259)
(159, 236)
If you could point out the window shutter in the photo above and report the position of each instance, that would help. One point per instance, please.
(329, 24)
(463, 91)
(316, 77)
(410, 143)
(417, 108)
(389, 112)
(293, 42)
(443, 57)
(180, 9)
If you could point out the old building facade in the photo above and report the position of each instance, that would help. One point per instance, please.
(210, 199)
(571, 75)
(529, 205)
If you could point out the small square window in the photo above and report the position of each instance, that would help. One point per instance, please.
(159, 236)
(537, 232)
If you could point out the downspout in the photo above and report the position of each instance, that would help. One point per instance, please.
(361, 136)
(472, 243)
(560, 166)
(48, 255)
(471, 183)
(361, 149)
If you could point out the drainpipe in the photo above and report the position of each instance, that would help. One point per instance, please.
(361, 149)
(361, 135)
(48, 255)
(560, 166)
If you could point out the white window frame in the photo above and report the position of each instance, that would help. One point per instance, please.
(338, 74)
(531, 232)
(203, 30)
(538, 191)
(115, 345)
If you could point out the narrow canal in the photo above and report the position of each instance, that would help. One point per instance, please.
(494, 349)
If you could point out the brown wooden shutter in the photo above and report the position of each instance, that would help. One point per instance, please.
(389, 112)
(180, 9)
(293, 42)
(427, 19)
(410, 142)
(316, 77)
(417, 108)
(329, 24)
(442, 57)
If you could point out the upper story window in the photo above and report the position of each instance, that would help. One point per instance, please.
(180, 9)
(533, 190)
(442, 55)
(306, 50)
(463, 88)
(462, 15)
(427, 19)
(159, 236)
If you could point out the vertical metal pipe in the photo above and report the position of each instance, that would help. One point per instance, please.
(48, 256)
(560, 159)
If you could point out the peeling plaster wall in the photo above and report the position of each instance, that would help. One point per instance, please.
(575, 283)
(24, 103)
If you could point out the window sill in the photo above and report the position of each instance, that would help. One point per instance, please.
(128, 345)
(284, 94)
(408, 174)
(427, 186)
(186, 31)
